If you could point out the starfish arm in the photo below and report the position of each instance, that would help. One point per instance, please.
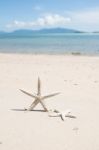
(51, 95)
(28, 93)
(39, 86)
(52, 114)
(33, 105)
(43, 105)
(63, 117)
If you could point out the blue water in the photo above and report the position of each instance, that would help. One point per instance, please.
(51, 44)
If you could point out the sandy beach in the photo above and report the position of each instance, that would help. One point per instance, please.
(77, 80)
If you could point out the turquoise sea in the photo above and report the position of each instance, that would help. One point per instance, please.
(77, 43)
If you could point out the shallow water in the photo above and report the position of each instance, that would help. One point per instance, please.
(78, 43)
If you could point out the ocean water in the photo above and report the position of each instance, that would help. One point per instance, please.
(78, 43)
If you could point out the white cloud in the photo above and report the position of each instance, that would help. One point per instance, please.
(16, 23)
(90, 17)
(53, 20)
(49, 20)
(87, 20)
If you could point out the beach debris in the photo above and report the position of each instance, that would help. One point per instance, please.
(62, 114)
(76, 129)
(76, 53)
(38, 97)
(75, 84)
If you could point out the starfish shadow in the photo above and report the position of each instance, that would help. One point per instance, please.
(36, 110)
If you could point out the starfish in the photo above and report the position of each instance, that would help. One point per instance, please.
(63, 114)
(38, 97)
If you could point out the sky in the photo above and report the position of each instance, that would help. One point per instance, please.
(36, 14)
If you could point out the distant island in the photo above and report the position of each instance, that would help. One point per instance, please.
(96, 32)
(30, 32)
(41, 31)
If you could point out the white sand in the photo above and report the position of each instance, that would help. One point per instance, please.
(76, 77)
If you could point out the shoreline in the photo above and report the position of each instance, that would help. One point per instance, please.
(50, 54)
